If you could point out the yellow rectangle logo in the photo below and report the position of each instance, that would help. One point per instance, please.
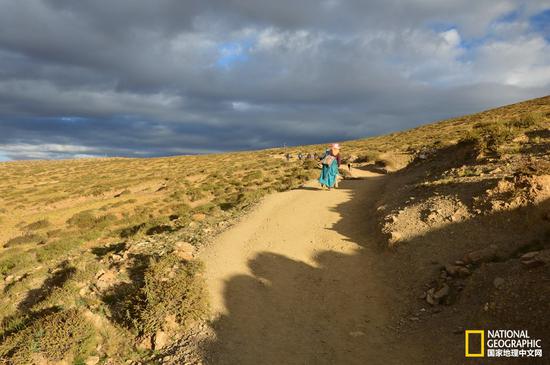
(467, 334)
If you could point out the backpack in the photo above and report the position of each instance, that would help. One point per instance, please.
(328, 160)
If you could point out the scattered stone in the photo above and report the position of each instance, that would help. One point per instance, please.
(430, 297)
(198, 217)
(536, 258)
(9, 279)
(529, 255)
(452, 269)
(463, 272)
(498, 282)
(442, 292)
(116, 258)
(357, 333)
(486, 254)
(522, 138)
(532, 263)
(92, 360)
(184, 250)
(106, 279)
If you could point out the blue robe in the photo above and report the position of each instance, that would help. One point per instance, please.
(328, 174)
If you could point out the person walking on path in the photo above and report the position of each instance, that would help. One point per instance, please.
(331, 162)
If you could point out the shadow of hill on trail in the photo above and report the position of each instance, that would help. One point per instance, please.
(331, 311)
(519, 301)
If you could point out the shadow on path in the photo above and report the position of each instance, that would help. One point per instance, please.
(334, 311)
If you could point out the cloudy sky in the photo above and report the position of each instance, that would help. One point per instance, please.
(150, 78)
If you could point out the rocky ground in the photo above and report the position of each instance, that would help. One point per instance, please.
(471, 241)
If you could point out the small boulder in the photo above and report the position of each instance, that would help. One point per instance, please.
(92, 360)
(184, 250)
(106, 279)
(430, 297)
(486, 254)
(442, 292)
(198, 217)
(529, 255)
(463, 272)
(452, 269)
(536, 258)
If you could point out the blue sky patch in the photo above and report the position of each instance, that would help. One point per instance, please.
(3, 157)
(231, 53)
(510, 17)
(540, 23)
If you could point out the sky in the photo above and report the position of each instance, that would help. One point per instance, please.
(143, 78)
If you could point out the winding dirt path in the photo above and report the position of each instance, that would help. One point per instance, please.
(300, 281)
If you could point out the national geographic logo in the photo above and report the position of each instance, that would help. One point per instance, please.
(477, 337)
(501, 343)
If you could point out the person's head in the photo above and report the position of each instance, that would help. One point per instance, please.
(335, 148)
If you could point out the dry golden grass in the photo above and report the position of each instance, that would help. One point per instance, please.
(57, 211)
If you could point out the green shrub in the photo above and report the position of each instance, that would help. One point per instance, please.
(25, 239)
(369, 156)
(84, 219)
(87, 220)
(489, 137)
(40, 224)
(12, 258)
(170, 286)
(57, 336)
(528, 121)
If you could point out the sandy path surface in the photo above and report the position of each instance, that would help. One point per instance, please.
(298, 281)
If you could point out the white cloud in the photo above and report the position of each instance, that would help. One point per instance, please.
(310, 71)
(523, 61)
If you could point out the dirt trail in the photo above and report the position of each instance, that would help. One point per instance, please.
(300, 281)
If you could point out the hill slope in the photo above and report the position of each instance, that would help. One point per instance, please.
(108, 246)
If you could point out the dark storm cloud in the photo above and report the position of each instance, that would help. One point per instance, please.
(137, 77)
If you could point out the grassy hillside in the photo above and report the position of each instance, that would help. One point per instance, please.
(62, 222)
(86, 245)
